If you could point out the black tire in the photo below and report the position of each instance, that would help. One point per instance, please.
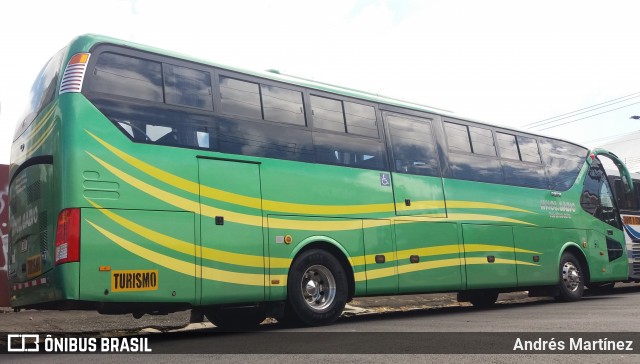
(571, 286)
(483, 299)
(237, 319)
(317, 289)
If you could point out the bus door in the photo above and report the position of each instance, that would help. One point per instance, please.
(606, 241)
(232, 250)
(628, 203)
(417, 182)
(428, 256)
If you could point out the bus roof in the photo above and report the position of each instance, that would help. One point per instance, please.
(87, 41)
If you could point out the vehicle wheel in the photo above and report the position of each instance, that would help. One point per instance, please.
(605, 287)
(483, 299)
(237, 319)
(316, 289)
(571, 284)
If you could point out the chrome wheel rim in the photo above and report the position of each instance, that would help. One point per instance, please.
(571, 276)
(318, 287)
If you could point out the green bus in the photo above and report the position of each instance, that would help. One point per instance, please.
(146, 182)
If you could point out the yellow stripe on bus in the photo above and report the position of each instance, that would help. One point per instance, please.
(184, 247)
(288, 207)
(433, 264)
(252, 220)
(187, 268)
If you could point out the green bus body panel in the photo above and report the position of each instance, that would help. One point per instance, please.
(382, 277)
(150, 241)
(228, 282)
(148, 208)
(62, 283)
(542, 243)
(497, 243)
(424, 195)
(436, 246)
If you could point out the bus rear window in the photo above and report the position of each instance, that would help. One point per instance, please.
(128, 76)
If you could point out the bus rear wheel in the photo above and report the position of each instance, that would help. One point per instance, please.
(317, 289)
(571, 284)
(483, 299)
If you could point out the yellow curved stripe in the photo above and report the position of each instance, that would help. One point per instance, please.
(442, 263)
(405, 254)
(184, 247)
(32, 134)
(472, 248)
(421, 205)
(231, 216)
(483, 260)
(44, 120)
(288, 207)
(236, 199)
(186, 267)
(41, 140)
(437, 250)
(482, 217)
(482, 205)
(407, 268)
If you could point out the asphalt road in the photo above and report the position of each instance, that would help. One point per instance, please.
(421, 335)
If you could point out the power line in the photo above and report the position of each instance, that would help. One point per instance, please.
(584, 112)
(607, 137)
(586, 117)
(584, 108)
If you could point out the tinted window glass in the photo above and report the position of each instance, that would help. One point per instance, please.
(596, 197)
(523, 174)
(264, 140)
(361, 119)
(327, 114)
(155, 124)
(563, 162)
(528, 149)
(482, 141)
(348, 151)
(508, 146)
(128, 76)
(414, 150)
(240, 98)
(457, 137)
(282, 105)
(187, 87)
(474, 167)
(627, 201)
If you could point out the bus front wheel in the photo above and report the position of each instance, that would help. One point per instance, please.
(316, 289)
(571, 284)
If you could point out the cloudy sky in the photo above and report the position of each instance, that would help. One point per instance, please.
(504, 62)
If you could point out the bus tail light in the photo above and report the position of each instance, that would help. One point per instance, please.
(74, 73)
(68, 236)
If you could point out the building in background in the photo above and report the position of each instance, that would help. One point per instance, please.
(4, 231)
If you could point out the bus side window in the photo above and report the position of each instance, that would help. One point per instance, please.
(413, 146)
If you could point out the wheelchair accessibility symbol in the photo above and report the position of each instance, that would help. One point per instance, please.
(384, 179)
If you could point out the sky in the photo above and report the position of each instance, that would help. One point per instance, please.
(510, 63)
